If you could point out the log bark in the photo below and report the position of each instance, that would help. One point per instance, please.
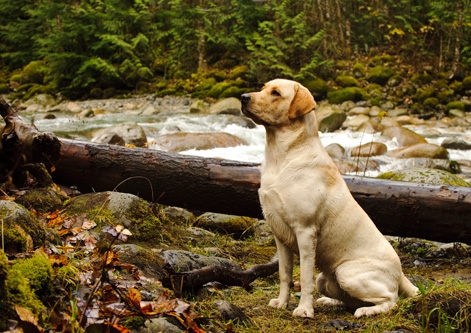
(433, 212)
(22, 144)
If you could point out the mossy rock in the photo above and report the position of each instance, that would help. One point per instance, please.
(38, 271)
(467, 83)
(395, 80)
(423, 93)
(15, 289)
(346, 81)
(380, 75)
(42, 200)
(217, 89)
(35, 72)
(237, 226)
(233, 91)
(238, 72)
(382, 59)
(359, 70)
(456, 86)
(112, 208)
(446, 96)
(317, 87)
(426, 176)
(19, 224)
(431, 103)
(455, 105)
(4, 88)
(345, 94)
(422, 78)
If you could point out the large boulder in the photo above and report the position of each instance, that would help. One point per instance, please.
(369, 149)
(229, 105)
(404, 137)
(131, 134)
(426, 176)
(177, 142)
(427, 150)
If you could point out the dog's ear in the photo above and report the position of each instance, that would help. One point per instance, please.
(302, 102)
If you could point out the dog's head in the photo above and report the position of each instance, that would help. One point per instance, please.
(278, 103)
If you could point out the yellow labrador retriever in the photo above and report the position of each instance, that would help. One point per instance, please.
(311, 212)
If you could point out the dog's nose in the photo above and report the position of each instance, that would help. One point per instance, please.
(245, 98)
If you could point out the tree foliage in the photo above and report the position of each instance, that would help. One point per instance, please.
(124, 44)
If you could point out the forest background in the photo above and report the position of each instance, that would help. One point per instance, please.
(219, 48)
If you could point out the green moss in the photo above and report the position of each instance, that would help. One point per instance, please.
(234, 92)
(423, 93)
(456, 86)
(380, 75)
(317, 87)
(346, 81)
(467, 83)
(359, 70)
(14, 241)
(38, 271)
(455, 105)
(426, 176)
(446, 96)
(431, 102)
(4, 88)
(238, 71)
(34, 72)
(422, 78)
(345, 94)
(217, 89)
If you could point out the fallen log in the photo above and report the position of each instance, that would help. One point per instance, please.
(441, 213)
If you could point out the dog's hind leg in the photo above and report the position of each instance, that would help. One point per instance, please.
(374, 284)
(285, 264)
(328, 286)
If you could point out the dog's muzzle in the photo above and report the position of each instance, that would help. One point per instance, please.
(245, 99)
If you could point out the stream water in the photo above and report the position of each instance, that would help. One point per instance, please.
(69, 125)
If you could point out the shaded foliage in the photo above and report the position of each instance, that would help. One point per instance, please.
(130, 44)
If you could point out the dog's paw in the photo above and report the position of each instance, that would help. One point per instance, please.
(277, 303)
(302, 311)
(329, 301)
(373, 310)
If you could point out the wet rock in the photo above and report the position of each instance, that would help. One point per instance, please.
(177, 142)
(329, 118)
(231, 312)
(405, 137)
(369, 149)
(72, 107)
(357, 166)
(130, 133)
(335, 150)
(450, 143)
(229, 105)
(184, 261)
(456, 113)
(109, 139)
(427, 150)
(426, 176)
(198, 106)
(397, 112)
(355, 121)
(359, 110)
(237, 226)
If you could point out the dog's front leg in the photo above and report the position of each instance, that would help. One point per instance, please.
(285, 264)
(307, 242)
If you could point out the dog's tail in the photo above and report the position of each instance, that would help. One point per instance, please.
(406, 288)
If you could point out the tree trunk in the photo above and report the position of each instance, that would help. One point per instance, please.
(432, 212)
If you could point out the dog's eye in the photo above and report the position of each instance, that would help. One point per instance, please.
(275, 93)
